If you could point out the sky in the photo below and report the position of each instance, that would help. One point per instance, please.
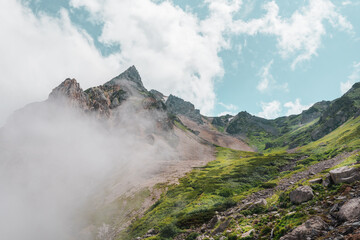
(269, 58)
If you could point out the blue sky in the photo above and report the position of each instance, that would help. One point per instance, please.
(270, 58)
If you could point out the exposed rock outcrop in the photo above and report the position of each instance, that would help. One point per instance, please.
(301, 194)
(258, 204)
(350, 210)
(311, 229)
(70, 92)
(177, 105)
(131, 75)
(344, 175)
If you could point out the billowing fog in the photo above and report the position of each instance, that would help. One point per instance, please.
(54, 158)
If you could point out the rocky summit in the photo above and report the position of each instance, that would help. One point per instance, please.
(235, 177)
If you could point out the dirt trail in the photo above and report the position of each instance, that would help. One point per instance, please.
(286, 183)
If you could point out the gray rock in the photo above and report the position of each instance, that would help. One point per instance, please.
(301, 194)
(259, 203)
(327, 180)
(152, 231)
(222, 226)
(248, 233)
(131, 74)
(350, 210)
(177, 105)
(344, 175)
(316, 180)
(212, 222)
(311, 229)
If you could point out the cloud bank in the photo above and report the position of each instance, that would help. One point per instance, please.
(54, 159)
(37, 53)
(300, 35)
(273, 109)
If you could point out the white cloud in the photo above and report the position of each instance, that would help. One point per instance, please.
(350, 3)
(225, 113)
(273, 109)
(300, 35)
(174, 50)
(37, 53)
(270, 110)
(352, 78)
(266, 77)
(230, 107)
(267, 81)
(295, 107)
(345, 86)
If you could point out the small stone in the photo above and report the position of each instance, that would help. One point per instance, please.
(247, 234)
(212, 222)
(259, 203)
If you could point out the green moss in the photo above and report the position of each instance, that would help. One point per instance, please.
(181, 126)
(288, 222)
(192, 236)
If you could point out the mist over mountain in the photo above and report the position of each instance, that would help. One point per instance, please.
(117, 161)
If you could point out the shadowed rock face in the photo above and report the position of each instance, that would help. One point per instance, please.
(177, 105)
(102, 99)
(131, 75)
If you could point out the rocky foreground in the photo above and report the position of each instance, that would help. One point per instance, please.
(324, 200)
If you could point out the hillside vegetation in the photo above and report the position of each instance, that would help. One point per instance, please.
(295, 130)
(223, 187)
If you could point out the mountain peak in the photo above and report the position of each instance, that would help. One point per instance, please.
(69, 89)
(130, 74)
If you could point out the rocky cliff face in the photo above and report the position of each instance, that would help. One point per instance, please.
(177, 105)
(70, 92)
(103, 99)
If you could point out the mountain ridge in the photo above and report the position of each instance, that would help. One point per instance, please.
(237, 173)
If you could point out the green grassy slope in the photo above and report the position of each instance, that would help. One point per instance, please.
(234, 175)
(215, 187)
(295, 130)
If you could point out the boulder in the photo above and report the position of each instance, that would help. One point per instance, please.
(350, 210)
(311, 229)
(301, 194)
(344, 175)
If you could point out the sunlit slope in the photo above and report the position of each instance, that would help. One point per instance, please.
(233, 176)
(295, 130)
(215, 187)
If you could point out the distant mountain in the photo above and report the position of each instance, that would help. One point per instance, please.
(295, 130)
